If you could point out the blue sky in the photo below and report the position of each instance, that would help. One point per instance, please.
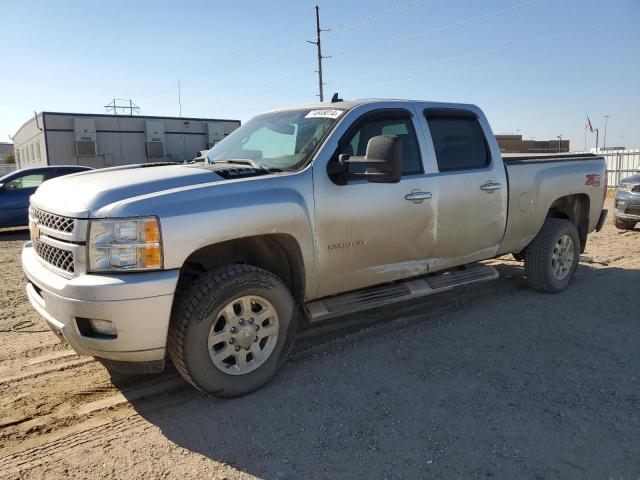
(534, 66)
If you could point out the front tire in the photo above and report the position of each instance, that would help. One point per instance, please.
(623, 225)
(552, 257)
(232, 329)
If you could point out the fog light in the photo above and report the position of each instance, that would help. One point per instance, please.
(103, 327)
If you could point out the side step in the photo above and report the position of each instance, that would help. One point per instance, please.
(380, 295)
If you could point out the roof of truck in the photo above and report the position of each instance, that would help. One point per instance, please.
(348, 104)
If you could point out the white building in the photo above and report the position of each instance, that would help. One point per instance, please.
(97, 140)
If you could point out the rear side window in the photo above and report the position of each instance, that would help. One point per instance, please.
(458, 140)
(26, 181)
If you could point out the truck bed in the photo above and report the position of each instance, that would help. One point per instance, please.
(537, 180)
(519, 158)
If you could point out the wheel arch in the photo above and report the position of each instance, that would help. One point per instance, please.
(278, 253)
(574, 208)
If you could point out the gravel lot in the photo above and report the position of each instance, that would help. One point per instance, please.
(492, 381)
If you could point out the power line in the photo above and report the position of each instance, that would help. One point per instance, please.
(489, 50)
(356, 22)
(454, 24)
(375, 16)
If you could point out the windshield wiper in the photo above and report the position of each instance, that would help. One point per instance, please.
(251, 163)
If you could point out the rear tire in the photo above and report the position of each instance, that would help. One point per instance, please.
(624, 225)
(232, 329)
(551, 259)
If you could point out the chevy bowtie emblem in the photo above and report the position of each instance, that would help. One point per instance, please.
(35, 231)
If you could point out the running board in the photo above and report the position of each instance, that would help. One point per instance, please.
(378, 296)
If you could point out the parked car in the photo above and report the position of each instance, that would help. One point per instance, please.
(301, 214)
(627, 212)
(16, 188)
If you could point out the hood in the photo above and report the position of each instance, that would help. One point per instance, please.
(632, 179)
(80, 194)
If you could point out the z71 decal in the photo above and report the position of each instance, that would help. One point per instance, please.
(593, 180)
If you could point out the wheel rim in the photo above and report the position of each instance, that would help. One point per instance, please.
(244, 335)
(563, 256)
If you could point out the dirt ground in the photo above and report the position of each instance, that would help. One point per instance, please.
(490, 381)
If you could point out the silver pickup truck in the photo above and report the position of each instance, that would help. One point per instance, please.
(300, 215)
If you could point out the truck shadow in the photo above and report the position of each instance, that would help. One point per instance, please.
(466, 383)
(12, 234)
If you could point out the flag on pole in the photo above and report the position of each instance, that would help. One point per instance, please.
(589, 124)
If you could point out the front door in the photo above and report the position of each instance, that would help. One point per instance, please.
(372, 233)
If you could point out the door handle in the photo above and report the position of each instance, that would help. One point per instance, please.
(418, 196)
(490, 187)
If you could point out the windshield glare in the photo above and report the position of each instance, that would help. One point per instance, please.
(279, 140)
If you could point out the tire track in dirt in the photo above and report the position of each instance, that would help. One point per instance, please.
(313, 340)
(83, 406)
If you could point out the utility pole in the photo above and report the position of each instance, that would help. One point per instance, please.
(320, 57)
(597, 135)
(606, 117)
(559, 143)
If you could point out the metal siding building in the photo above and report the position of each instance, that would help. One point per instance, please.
(52, 138)
(516, 144)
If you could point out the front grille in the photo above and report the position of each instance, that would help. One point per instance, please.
(636, 189)
(633, 210)
(59, 258)
(52, 221)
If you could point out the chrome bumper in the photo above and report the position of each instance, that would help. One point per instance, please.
(138, 304)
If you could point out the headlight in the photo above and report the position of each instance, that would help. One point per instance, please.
(130, 244)
(625, 186)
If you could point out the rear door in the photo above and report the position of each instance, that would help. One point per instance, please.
(372, 233)
(472, 186)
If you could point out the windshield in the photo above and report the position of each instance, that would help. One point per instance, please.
(279, 140)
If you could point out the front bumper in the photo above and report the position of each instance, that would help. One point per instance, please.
(138, 304)
(627, 206)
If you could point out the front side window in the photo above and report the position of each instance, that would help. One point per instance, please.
(25, 181)
(280, 140)
(398, 124)
(458, 140)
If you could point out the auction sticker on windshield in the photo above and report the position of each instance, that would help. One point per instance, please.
(326, 113)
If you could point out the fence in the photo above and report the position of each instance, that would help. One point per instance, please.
(620, 164)
(7, 168)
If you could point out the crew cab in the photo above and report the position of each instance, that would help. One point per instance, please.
(302, 214)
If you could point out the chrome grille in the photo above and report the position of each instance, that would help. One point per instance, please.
(52, 221)
(59, 258)
(633, 209)
(636, 189)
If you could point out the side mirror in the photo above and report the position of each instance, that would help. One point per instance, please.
(382, 162)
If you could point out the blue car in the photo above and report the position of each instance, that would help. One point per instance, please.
(16, 188)
(627, 212)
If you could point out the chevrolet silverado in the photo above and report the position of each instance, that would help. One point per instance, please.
(300, 215)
